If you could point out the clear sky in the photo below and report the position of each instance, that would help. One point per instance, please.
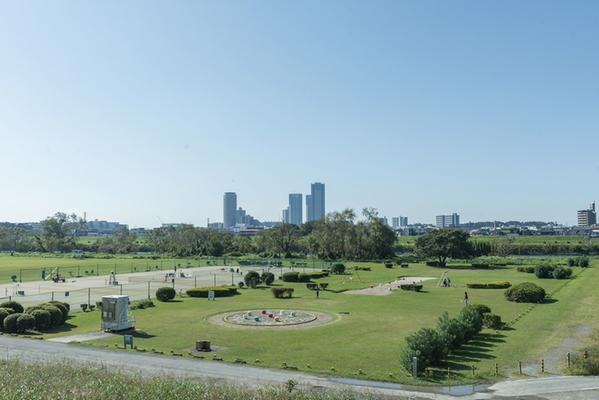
(142, 111)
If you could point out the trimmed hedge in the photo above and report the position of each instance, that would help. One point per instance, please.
(268, 278)
(219, 291)
(56, 316)
(526, 292)
(544, 271)
(290, 277)
(282, 292)
(141, 304)
(25, 322)
(16, 307)
(492, 321)
(411, 286)
(562, 273)
(166, 293)
(10, 323)
(66, 305)
(529, 270)
(251, 279)
(338, 268)
(43, 319)
(4, 312)
(489, 285)
(64, 312)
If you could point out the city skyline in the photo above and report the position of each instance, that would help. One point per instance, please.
(149, 113)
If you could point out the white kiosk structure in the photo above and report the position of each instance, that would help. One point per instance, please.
(115, 313)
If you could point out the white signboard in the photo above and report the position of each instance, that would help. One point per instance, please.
(211, 295)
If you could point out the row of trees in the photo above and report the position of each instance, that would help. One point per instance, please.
(339, 236)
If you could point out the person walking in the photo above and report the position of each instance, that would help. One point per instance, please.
(466, 298)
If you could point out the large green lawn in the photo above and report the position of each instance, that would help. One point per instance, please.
(371, 336)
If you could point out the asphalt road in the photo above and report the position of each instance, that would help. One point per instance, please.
(28, 350)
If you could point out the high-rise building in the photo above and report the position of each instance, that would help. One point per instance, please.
(587, 217)
(403, 221)
(295, 209)
(395, 222)
(285, 215)
(315, 202)
(229, 210)
(448, 221)
(309, 207)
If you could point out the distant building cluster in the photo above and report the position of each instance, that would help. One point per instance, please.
(233, 216)
(315, 206)
(98, 227)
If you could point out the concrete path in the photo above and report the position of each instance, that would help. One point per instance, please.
(27, 350)
(84, 337)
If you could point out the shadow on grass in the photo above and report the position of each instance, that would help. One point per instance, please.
(135, 334)
(479, 348)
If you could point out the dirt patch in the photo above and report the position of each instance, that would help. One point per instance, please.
(385, 289)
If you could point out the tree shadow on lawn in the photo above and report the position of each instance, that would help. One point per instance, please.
(477, 349)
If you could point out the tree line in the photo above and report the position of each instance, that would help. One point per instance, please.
(339, 236)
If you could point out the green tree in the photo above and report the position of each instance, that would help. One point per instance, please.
(59, 232)
(443, 244)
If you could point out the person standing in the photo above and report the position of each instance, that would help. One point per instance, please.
(466, 298)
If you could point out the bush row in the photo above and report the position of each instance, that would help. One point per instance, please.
(489, 285)
(15, 319)
(432, 346)
(546, 271)
(282, 292)
(219, 291)
(582, 262)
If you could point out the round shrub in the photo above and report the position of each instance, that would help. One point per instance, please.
(61, 307)
(562, 273)
(492, 321)
(31, 309)
(544, 271)
(472, 320)
(43, 319)
(165, 293)
(16, 307)
(251, 279)
(427, 346)
(481, 308)
(25, 322)
(3, 314)
(452, 331)
(338, 268)
(583, 262)
(55, 315)
(282, 292)
(526, 292)
(65, 304)
(10, 323)
(268, 278)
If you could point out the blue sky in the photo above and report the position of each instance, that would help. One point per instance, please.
(145, 111)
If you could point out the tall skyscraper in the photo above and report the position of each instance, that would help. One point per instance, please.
(395, 222)
(229, 209)
(315, 202)
(403, 221)
(295, 208)
(309, 207)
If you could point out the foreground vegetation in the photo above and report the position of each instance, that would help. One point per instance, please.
(67, 381)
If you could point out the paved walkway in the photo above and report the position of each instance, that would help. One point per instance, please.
(551, 388)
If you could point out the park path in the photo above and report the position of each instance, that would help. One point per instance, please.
(32, 351)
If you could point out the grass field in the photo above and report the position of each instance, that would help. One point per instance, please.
(524, 240)
(370, 338)
(28, 267)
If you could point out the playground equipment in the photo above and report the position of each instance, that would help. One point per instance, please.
(445, 280)
(115, 313)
